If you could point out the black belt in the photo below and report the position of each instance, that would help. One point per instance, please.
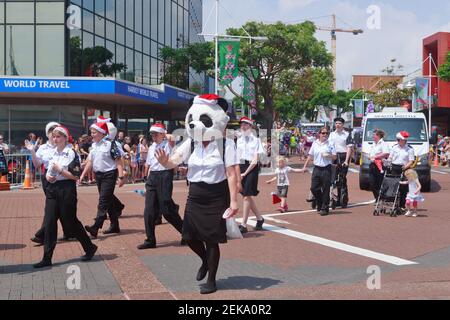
(323, 168)
(159, 172)
(106, 172)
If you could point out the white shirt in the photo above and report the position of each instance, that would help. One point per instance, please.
(317, 151)
(340, 141)
(401, 156)
(100, 156)
(44, 153)
(282, 176)
(206, 164)
(4, 147)
(63, 159)
(152, 162)
(380, 147)
(248, 147)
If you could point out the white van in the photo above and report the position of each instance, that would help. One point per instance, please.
(392, 121)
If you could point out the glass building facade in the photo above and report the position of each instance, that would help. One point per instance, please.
(54, 38)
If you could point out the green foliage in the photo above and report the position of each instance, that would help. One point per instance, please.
(444, 70)
(390, 95)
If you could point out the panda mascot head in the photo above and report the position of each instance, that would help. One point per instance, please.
(206, 119)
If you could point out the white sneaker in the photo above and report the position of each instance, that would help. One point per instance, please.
(415, 215)
(408, 214)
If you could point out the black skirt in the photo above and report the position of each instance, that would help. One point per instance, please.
(250, 182)
(203, 218)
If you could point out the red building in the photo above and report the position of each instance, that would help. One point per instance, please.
(438, 45)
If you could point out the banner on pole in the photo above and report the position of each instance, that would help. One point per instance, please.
(228, 60)
(359, 108)
(422, 94)
(249, 92)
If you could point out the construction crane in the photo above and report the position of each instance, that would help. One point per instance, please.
(334, 29)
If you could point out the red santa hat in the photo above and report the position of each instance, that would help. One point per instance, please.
(207, 99)
(65, 132)
(403, 135)
(101, 127)
(159, 128)
(246, 120)
(102, 119)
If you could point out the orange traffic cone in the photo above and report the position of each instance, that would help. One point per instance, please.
(436, 160)
(4, 184)
(27, 183)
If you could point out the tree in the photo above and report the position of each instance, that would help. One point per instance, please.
(390, 95)
(444, 70)
(96, 61)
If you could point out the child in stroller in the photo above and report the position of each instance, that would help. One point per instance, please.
(389, 197)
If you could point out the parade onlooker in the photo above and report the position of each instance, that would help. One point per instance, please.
(447, 151)
(143, 148)
(3, 145)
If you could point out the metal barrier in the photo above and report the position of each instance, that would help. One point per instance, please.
(17, 164)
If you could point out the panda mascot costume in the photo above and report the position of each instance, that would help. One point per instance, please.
(213, 182)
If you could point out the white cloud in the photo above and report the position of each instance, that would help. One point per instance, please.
(287, 5)
(445, 28)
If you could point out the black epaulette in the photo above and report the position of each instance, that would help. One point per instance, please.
(75, 166)
(115, 152)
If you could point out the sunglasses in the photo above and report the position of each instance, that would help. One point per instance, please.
(324, 133)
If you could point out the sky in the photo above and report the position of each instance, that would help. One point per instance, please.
(402, 26)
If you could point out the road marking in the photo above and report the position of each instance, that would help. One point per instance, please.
(276, 220)
(439, 172)
(337, 245)
(353, 170)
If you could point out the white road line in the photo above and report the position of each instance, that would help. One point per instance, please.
(337, 245)
(353, 170)
(439, 172)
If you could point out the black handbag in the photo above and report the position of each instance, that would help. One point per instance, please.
(3, 164)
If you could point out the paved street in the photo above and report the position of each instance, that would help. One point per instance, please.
(300, 255)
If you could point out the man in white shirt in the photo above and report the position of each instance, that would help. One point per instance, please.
(344, 146)
(159, 188)
(3, 145)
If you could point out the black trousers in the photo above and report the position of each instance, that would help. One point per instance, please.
(106, 184)
(341, 157)
(41, 232)
(320, 186)
(375, 180)
(158, 200)
(61, 203)
(403, 190)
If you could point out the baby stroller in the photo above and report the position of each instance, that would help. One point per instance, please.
(389, 197)
(338, 194)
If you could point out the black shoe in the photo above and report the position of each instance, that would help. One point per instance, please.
(202, 272)
(65, 238)
(37, 240)
(324, 213)
(314, 204)
(89, 255)
(147, 245)
(259, 225)
(93, 231)
(158, 222)
(121, 211)
(319, 208)
(243, 229)
(310, 200)
(42, 264)
(208, 289)
(112, 230)
(183, 243)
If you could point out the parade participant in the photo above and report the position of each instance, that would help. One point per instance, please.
(41, 157)
(159, 188)
(414, 196)
(402, 158)
(249, 150)
(213, 182)
(282, 179)
(106, 161)
(343, 145)
(323, 154)
(61, 198)
(378, 152)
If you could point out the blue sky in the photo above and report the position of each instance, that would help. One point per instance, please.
(403, 26)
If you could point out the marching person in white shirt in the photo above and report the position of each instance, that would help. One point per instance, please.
(343, 144)
(61, 198)
(378, 152)
(212, 167)
(323, 154)
(42, 157)
(249, 150)
(106, 161)
(402, 158)
(159, 188)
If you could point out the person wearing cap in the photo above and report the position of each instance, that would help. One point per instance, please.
(323, 154)
(106, 162)
(159, 188)
(249, 149)
(41, 157)
(402, 158)
(61, 198)
(343, 145)
(379, 151)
